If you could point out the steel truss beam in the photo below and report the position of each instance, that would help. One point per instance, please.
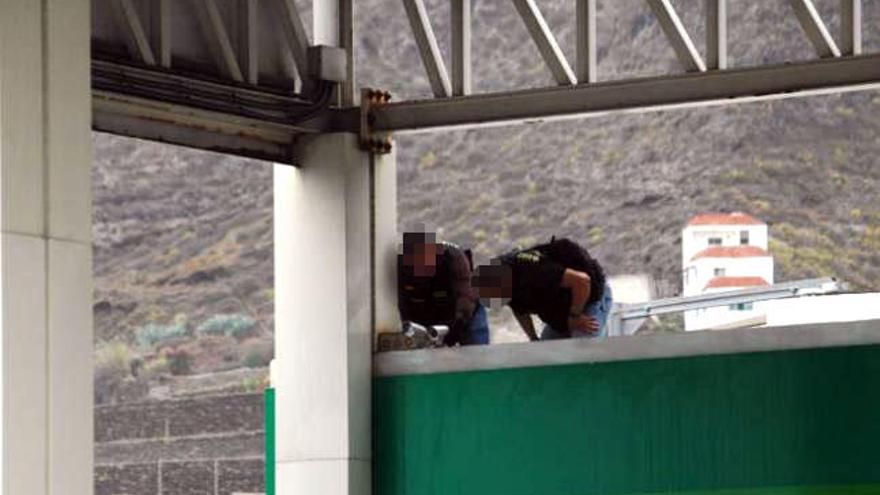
(461, 47)
(161, 32)
(546, 42)
(185, 126)
(294, 33)
(428, 47)
(132, 28)
(346, 41)
(160, 106)
(851, 27)
(248, 48)
(676, 33)
(218, 39)
(815, 29)
(269, 128)
(586, 41)
(696, 89)
(716, 34)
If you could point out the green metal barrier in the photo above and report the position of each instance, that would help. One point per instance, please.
(269, 396)
(802, 422)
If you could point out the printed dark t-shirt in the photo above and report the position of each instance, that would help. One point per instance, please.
(536, 287)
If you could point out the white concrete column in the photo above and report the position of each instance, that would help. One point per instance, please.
(385, 242)
(335, 259)
(45, 248)
(323, 320)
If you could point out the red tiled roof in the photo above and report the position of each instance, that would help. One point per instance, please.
(719, 282)
(731, 252)
(735, 218)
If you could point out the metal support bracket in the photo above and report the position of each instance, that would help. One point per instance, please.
(370, 140)
(297, 147)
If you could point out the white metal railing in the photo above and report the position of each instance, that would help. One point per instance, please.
(622, 314)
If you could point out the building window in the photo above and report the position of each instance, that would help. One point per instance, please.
(742, 306)
(744, 237)
(719, 272)
(714, 241)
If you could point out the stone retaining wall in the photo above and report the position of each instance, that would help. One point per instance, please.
(217, 477)
(179, 417)
(200, 446)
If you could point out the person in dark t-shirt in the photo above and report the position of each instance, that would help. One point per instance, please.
(434, 288)
(558, 281)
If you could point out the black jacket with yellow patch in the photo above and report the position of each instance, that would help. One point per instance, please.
(446, 298)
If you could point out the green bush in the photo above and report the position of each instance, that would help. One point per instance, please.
(253, 384)
(153, 333)
(257, 353)
(114, 358)
(157, 366)
(234, 325)
(256, 359)
(112, 370)
(737, 176)
(179, 362)
(428, 160)
(596, 235)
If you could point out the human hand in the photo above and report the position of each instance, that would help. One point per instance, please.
(583, 323)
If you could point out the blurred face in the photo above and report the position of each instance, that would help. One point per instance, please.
(422, 259)
(493, 282)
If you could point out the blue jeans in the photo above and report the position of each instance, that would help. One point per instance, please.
(478, 330)
(598, 310)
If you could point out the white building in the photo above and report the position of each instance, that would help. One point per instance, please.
(721, 252)
(822, 309)
(728, 251)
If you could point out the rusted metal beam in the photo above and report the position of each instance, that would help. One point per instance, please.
(207, 114)
(635, 95)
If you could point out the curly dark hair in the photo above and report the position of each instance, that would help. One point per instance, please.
(572, 255)
(597, 279)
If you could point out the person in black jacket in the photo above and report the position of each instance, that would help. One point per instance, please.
(434, 288)
(558, 281)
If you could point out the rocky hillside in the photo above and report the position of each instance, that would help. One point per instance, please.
(183, 239)
(626, 184)
(183, 269)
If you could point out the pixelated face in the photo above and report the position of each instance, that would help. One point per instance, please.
(493, 282)
(421, 255)
(425, 260)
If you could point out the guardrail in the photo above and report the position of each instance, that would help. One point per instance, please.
(623, 313)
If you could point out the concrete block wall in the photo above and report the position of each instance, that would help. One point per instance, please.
(213, 477)
(199, 446)
(179, 417)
